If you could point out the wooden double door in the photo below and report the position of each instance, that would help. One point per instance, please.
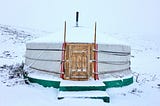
(78, 61)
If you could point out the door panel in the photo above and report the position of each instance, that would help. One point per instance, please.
(78, 65)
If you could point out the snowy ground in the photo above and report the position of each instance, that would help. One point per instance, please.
(145, 91)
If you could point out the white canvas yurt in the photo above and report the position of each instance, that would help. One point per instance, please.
(79, 54)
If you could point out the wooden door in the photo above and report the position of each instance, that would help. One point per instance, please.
(78, 64)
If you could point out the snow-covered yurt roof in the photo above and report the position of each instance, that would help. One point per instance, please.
(78, 35)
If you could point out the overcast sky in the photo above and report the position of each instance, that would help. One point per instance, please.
(112, 16)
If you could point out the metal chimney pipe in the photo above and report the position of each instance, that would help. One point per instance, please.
(77, 16)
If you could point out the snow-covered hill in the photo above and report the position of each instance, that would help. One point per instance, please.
(14, 92)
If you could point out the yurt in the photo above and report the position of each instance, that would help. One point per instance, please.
(79, 59)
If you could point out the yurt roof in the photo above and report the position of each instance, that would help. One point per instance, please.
(78, 35)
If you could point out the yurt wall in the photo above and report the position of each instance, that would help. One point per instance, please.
(44, 56)
(47, 57)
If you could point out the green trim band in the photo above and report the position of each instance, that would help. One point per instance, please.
(105, 99)
(118, 83)
(82, 88)
(45, 83)
(56, 84)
